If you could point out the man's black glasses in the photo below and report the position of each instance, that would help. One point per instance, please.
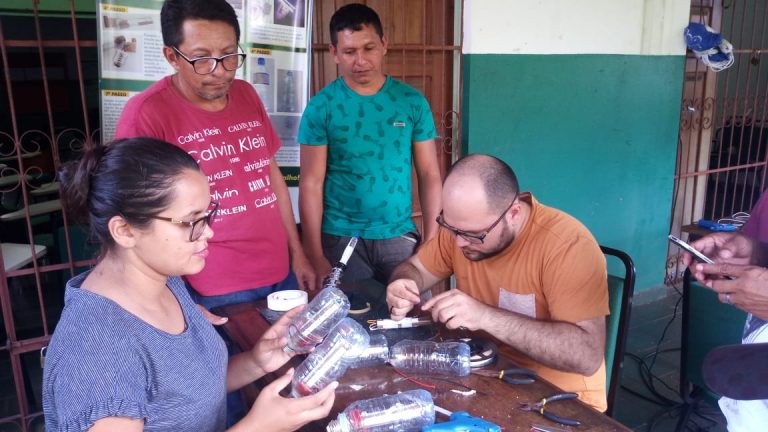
(206, 65)
(473, 238)
(197, 226)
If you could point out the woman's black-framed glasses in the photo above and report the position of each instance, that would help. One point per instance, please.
(206, 65)
(474, 238)
(197, 226)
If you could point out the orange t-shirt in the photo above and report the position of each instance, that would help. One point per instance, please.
(554, 270)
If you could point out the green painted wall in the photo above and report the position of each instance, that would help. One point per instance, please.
(593, 135)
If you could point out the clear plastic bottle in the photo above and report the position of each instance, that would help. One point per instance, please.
(263, 83)
(331, 358)
(407, 411)
(118, 58)
(309, 327)
(333, 279)
(376, 354)
(445, 358)
(289, 93)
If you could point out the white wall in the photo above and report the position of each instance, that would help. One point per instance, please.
(633, 27)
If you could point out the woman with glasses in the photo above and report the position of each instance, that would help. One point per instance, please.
(132, 351)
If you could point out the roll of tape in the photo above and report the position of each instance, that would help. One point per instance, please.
(286, 300)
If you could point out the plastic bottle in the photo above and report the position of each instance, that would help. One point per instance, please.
(407, 411)
(308, 328)
(445, 358)
(289, 93)
(333, 279)
(376, 354)
(324, 311)
(263, 83)
(331, 358)
(118, 58)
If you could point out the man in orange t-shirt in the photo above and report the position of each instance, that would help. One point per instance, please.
(531, 276)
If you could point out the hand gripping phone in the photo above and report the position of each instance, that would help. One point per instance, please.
(688, 248)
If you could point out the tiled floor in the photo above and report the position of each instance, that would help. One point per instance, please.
(646, 327)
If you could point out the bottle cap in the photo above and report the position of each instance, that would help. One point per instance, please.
(286, 300)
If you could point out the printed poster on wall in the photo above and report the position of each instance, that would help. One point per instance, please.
(274, 36)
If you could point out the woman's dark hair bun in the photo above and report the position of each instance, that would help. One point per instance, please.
(131, 177)
(75, 182)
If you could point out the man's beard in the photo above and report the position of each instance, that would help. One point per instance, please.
(212, 95)
(506, 238)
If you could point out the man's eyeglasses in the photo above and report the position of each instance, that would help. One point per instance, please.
(197, 226)
(474, 238)
(206, 65)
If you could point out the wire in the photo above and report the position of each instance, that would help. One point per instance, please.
(737, 219)
(646, 370)
(433, 386)
(367, 308)
(649, 379)
(641, 396)
(414, 380)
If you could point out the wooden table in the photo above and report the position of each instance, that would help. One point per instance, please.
(16, 256)
(494, 401)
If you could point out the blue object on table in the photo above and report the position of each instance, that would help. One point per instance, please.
(462, 421)
(714, 226)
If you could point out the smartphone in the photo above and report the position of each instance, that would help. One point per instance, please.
(688, 248)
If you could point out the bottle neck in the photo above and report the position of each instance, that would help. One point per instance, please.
(340, 424)
(334, 277)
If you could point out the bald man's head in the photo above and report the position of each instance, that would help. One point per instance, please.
(492, 176)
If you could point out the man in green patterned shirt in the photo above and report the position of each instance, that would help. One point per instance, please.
(359, 137)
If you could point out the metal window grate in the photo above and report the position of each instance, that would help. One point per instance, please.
(722, 160)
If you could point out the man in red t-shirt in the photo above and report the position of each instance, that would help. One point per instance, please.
(222, 123)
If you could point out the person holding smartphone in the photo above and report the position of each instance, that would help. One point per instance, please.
(740, 277)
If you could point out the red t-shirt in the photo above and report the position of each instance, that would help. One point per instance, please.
(234, 147)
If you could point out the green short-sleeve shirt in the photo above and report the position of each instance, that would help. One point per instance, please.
(368, 174)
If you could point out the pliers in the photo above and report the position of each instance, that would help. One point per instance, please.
(541, 408)
(510, 376)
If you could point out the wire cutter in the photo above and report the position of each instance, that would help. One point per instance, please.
(510, 376)
(541, 408)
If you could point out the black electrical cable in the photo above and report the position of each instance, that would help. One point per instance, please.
(645, 370)
(648, 377)
(641, 396)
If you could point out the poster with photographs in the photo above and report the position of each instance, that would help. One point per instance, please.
(273, 35)
(131, 43)
(278, 22)
(280, 77)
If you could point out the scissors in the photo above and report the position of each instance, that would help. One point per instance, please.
(511, 375)
(540, 407)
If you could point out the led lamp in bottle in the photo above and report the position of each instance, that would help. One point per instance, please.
(312, 325)
(407, 411)
(331, 358)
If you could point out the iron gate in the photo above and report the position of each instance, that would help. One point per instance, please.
(722, 161)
